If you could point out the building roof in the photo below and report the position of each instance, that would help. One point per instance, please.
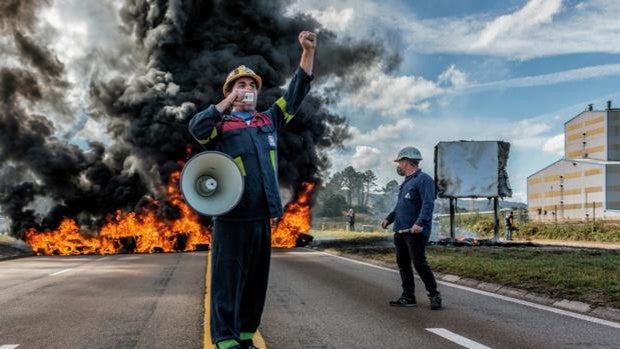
(581, 161)
(595, 161)
(585, 111)
(544, 168)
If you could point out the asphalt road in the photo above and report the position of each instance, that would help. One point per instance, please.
(121, 301)
(315, 300)
(320, 301)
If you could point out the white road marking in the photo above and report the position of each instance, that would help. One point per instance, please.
(59, 272)
(100, 259)
(493, 295)
(9, 346)
(299, 252)
(458, 339)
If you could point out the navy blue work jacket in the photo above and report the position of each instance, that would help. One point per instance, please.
(253, 146)
(416, 201)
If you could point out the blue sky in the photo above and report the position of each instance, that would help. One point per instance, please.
(476, 70)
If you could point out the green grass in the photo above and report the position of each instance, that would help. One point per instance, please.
(483, 225)
(601, 231)
(590, 276)
(340, 234)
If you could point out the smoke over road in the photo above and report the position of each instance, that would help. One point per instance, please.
(168, 60)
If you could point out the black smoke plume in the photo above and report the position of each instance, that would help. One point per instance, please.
(186, 49)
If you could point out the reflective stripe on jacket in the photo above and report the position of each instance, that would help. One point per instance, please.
(253, 146)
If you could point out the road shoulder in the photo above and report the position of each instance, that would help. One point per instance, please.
(606, 313)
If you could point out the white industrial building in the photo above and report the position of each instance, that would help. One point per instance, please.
(585, 184)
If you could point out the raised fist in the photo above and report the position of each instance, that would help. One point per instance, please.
(307, 40)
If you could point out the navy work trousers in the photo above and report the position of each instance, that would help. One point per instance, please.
(240, 256)
(412, 248)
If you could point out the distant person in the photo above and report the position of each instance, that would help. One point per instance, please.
(509, 226)
(351, 218)
(412, 218)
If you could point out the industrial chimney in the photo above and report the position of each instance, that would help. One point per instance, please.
(608, 105)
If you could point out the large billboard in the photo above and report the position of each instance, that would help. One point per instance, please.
(472, 169)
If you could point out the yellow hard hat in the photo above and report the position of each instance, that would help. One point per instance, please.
(240, 72)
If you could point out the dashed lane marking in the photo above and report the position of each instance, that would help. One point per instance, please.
(458, 339)
(58, 273)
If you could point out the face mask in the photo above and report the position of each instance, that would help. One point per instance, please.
(400, 171)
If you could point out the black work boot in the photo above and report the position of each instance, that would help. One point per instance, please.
(435, 301)
(404, 301)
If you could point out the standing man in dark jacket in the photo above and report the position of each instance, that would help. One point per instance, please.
(412, 218)
(241, 247)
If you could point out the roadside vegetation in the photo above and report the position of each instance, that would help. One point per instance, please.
(482, 224)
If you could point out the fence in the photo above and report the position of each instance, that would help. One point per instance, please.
(478, 224)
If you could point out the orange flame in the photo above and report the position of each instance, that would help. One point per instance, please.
(295, 220)
(150, 233)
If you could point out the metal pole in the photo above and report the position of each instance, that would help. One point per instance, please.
(593, 215)
(585, 207)
(496, 211)
(452, 204)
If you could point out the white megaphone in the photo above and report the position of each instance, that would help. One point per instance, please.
(211, 183)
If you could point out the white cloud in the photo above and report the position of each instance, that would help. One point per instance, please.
(519, 196)
(330, 17)
(550, 79)
(375, 149)
(453, 76)
(540, 28)
(366, 158)
(591, 29)
(87, 38)
(393, 96)
(554, 145)
(528, 133)
(383, 133)
(534, 13)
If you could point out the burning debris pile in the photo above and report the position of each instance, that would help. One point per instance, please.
(295, 222)
(140, 232)
(465, 242)
(171, 63)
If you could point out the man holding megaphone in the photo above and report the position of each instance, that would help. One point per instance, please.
(241, 247)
